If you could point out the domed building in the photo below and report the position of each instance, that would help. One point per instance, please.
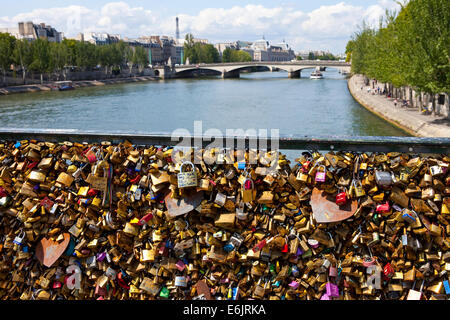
(264, 51)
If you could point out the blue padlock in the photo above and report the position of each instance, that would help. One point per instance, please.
(228, 247)
(241, 165)
(235, 293)
(18, 144)
(446, 287)
(70, 248)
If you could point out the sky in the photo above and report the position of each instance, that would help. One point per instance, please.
(303, 24)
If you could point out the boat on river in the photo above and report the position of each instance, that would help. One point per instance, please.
(64, 85)
(316, 75)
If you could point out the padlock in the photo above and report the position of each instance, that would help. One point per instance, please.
(187, 179)
(321, 175)
(358, 188)
(341, 198)
(383, 208)
(240, 212)
(383, 178)
(332, 290)
(436, 170)
(18, 240)
(414, 294)
(302, 176)
(409, 216)
(248, 190)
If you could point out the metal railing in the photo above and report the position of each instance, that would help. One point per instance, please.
(287, 142)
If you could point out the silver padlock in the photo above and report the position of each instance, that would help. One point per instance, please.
(77, 173)
(54, 209)
(138, 165)
(436, 170)
(111, 273)
(404, 239)
(236, 239)
(91, 262)
(138, 194)
(383, 178)
(220, 199)
(240, 212)
(187, 179)
(19, 238)
(180, 282)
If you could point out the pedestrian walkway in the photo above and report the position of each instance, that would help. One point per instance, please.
(76, 84)
(409, 119)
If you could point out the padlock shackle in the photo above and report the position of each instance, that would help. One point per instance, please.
(187, 163)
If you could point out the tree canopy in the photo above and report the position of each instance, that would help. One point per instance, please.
(231, 55)
(411, 47)
(199, 52)
(42, 56)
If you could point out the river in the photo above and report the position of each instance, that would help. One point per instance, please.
(263, 100)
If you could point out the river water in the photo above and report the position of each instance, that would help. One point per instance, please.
(264, 100)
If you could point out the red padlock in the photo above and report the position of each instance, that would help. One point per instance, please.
(305, 166)
(388, 271)
(3, 192)
(92, 193)
(341, 198)
(383, 208)
(136, 180)
(145, 219)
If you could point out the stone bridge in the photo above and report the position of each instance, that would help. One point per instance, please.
(232, 70)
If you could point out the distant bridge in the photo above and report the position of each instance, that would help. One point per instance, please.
(232, 69)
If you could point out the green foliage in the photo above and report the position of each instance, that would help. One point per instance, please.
(199, 52)
(141, 57)
(7, 43)
(299, 58)
(23, 55)
(42, 56)
(408, 48)
(230, 55)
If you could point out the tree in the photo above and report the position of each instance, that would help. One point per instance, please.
(106, 57)
(243, 56)
(311, 56)
(41, 57)
(129, 57)
(226, 55)
(86, 55)
(299, 58)
(23, 56)
(7, 43)
(411, 48)
(58, 58)
(141, 58)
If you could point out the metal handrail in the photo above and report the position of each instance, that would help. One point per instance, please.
(285, 142)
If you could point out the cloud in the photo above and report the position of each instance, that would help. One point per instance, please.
(327, 27)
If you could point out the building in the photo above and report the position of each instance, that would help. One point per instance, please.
(221, 47)
(12, 31)
(179, 54)
(153, 48)
(101, 38)
(203, 41)
(29, 30)
(264, 51)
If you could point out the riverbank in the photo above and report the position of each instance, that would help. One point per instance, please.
(77, 84)
(408, 119)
